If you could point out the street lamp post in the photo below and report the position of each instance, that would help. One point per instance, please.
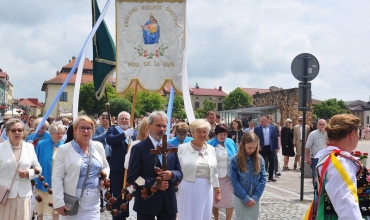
(13, 102)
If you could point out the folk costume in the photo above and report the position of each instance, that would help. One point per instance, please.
(344, 191)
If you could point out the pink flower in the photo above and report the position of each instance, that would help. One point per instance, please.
(145, 55)
(156, 55)
(145, 51)
(156, 51)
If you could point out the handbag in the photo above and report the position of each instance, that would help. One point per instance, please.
(72, 202)
(4, 191)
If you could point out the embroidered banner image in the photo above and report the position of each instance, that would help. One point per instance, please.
(150, 43)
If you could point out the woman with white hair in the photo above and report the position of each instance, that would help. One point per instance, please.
(287, 142)
(46, 151)
(200, 185)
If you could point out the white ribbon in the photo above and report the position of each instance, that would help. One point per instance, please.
(76, 93)
(185, 84)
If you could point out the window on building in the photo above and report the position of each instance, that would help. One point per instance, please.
(219, 98)
(196, 105)
(367, 120)
(219, 106)
(210, 98)
(196, 97)
(63, 97)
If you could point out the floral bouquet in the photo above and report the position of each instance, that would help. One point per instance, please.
(359, 154)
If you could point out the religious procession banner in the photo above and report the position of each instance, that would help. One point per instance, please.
(150, 43)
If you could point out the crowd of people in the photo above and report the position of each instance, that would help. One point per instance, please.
(214, 166)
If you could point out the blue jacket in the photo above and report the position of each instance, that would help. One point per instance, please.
(45, 136)
(118, 145)
(175, 141)
(44, 153)
(100, 135)
(142, 164)
(230, 146)
(248, 186)
(273, 137)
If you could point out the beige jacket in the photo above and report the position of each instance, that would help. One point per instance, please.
(297, 134)
(188, 160)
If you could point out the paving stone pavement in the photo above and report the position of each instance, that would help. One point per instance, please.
(281, 199)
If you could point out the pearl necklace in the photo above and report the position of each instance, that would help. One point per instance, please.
(14, 147)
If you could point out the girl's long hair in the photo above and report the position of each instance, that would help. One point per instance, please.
(241, 158)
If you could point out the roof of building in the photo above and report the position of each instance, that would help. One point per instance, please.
(355, 102)
(27, 102)
(208, 92)
(4, 75)
(61, 77)
(88, 64)
(63, 74)
(315, 101)
(31, 102)
(356, 108)
(252, 91)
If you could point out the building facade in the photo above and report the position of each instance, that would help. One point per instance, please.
(199, 95)
(52, 86)
(6, 91)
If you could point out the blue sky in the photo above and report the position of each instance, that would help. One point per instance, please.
(232, 43)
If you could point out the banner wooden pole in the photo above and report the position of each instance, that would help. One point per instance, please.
(107, 105)
(131, 123)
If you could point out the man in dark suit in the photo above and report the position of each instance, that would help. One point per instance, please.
(117, 139)
(162, 203)
(101, 133)
(268, 143)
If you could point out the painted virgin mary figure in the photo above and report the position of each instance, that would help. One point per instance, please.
(151, 31)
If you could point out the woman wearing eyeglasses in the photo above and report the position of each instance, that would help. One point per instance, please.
(181, 134)
(70, 168)
(287, 142)
(16, 158)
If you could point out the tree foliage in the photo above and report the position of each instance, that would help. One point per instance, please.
(237, 99)
(178, 109)
(329, 108)
(129, 94)
(89, 103)
(207, 106)
(149, 101)
(119, 104)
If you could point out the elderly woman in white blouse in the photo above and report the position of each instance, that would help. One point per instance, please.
(200, 185)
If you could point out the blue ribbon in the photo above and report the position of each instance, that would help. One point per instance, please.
(92, 32)
(169, 111)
